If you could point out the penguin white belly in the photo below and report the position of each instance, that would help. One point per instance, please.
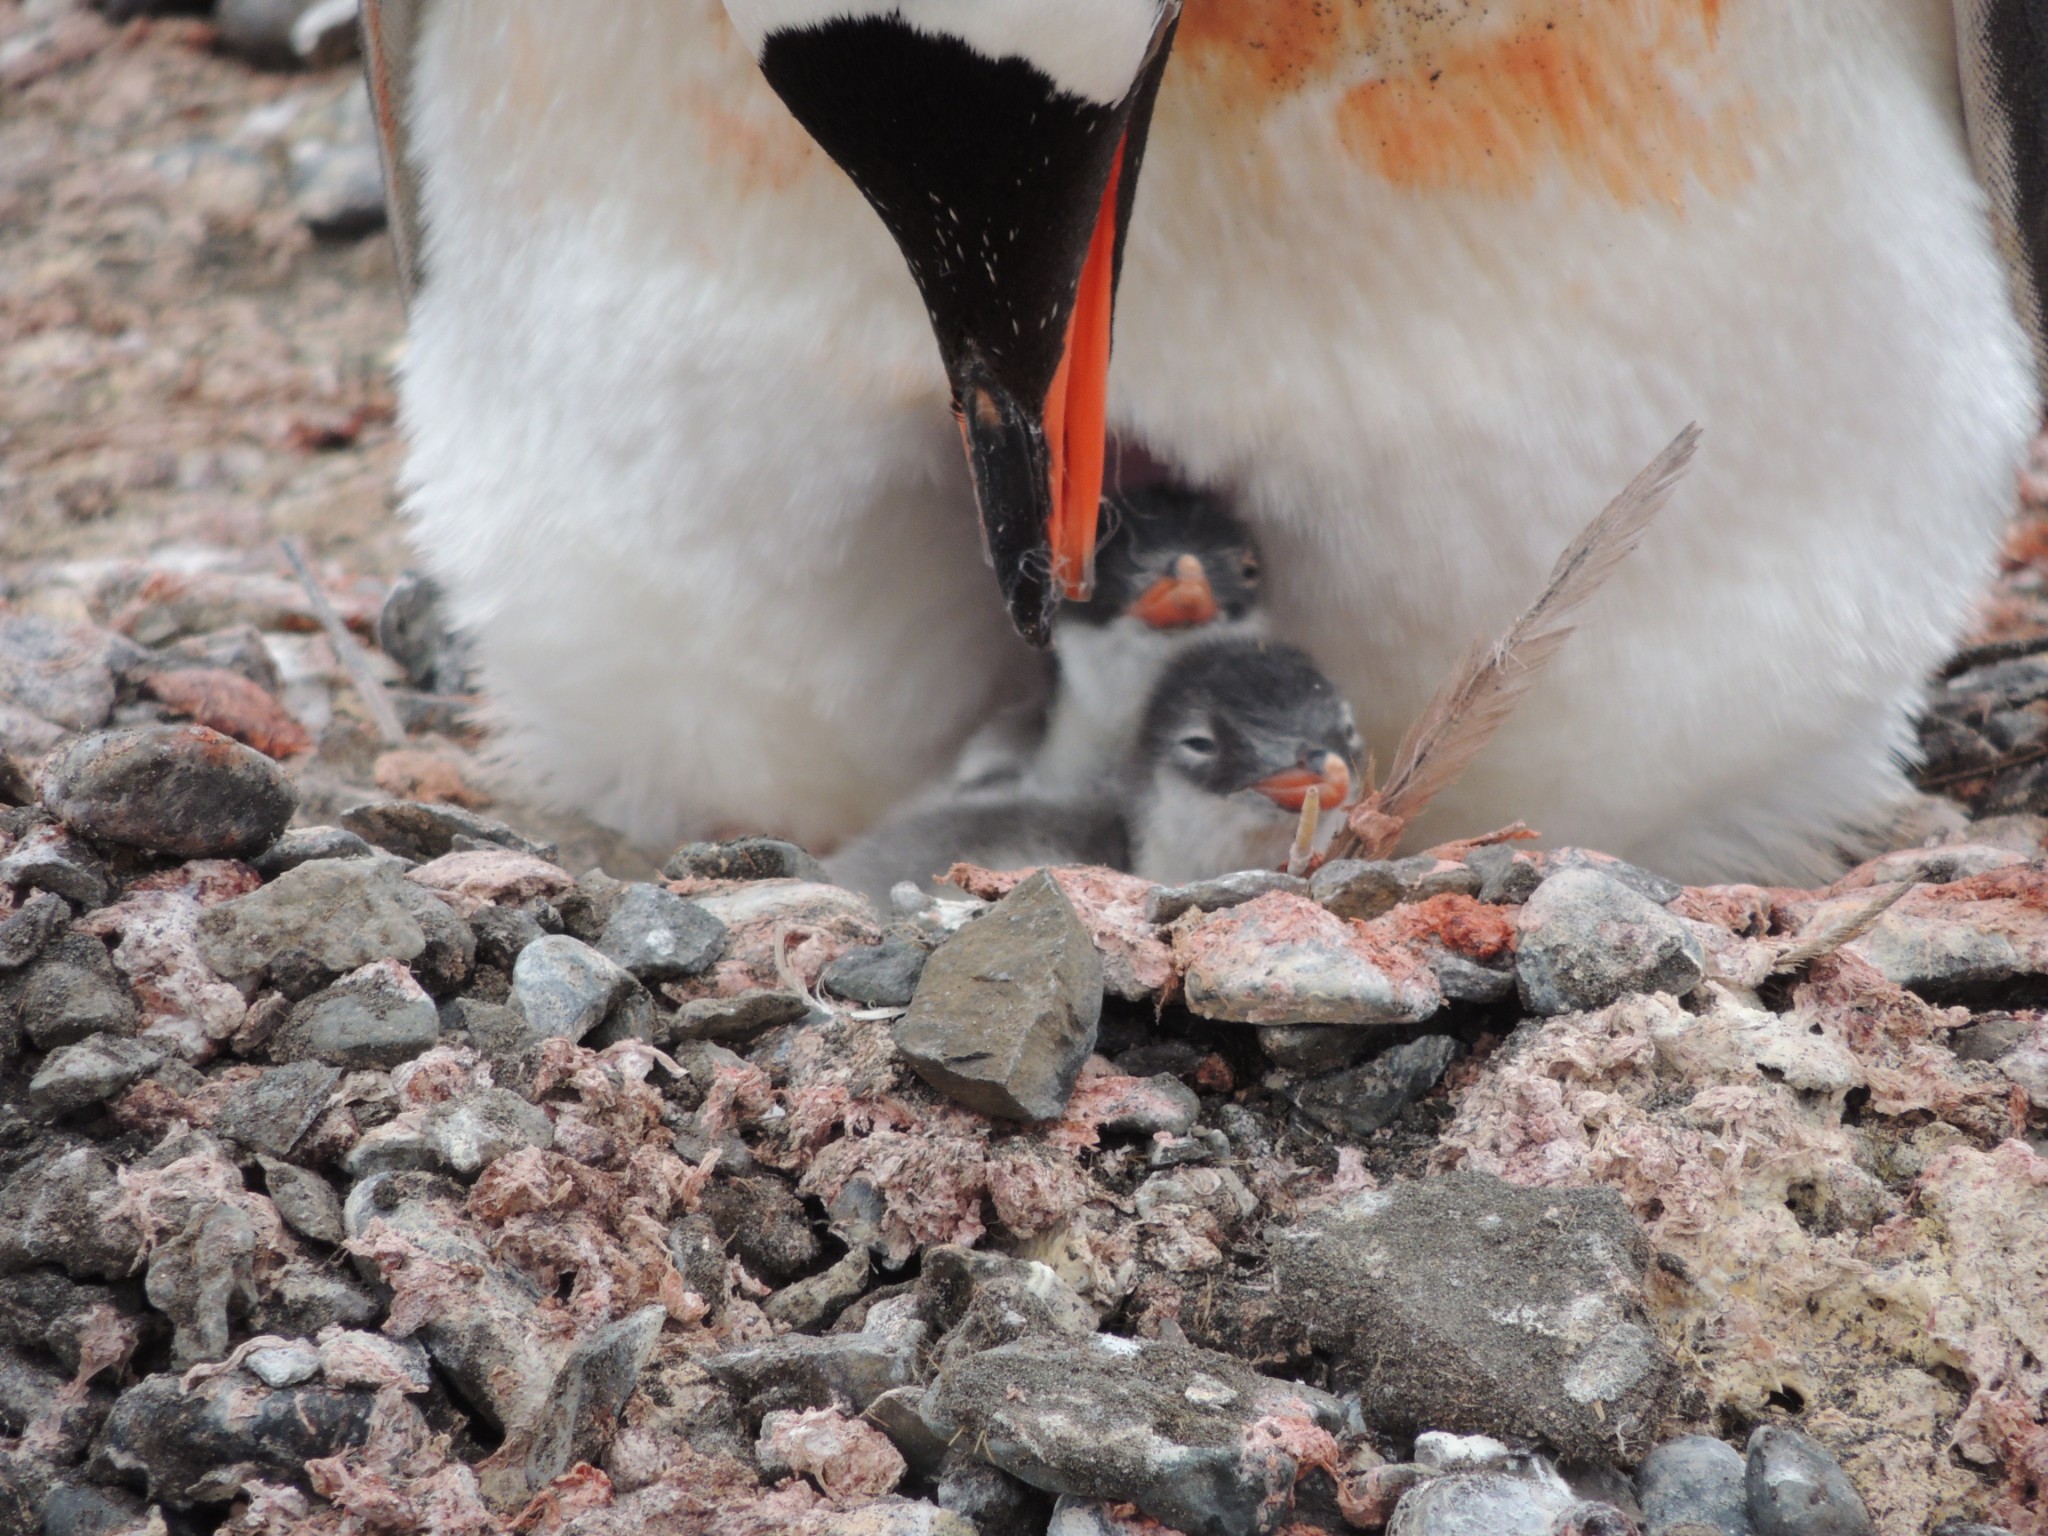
(680, 445)
(1427, 285)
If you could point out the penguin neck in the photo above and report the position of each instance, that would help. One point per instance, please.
(1106, 676)
(1182, 833)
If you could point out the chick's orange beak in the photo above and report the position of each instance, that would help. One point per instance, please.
(1289, 789)
(1179, 600)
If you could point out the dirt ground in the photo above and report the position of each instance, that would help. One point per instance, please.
(180, 361)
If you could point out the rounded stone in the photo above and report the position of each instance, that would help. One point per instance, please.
(181, 790)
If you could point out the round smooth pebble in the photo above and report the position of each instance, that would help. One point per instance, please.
(180, 790)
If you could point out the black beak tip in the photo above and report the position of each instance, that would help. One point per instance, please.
(1031, 600)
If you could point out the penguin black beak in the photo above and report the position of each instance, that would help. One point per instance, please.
(1009, 199)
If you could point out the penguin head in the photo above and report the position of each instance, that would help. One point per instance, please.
(1173, 560)
(999, 141)
(1250, 721)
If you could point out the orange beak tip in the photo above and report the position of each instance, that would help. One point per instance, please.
(1177, 602)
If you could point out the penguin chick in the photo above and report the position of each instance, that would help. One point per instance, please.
(1236, 735)
(1174, 567)
(1000, 827)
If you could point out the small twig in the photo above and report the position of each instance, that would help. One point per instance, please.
(1833, 937)
(348, 650)
(1988, 771)
(1304, 850)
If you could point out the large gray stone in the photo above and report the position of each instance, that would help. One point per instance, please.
(1371, 1095)
(377, 1016)
(180, 790)
(344, 913)
(1797, 1489)
(74, 1077)
(1006, 1010)
(658, 936)
(1587, 939)
(1167, 1427)
(1467, 1303)
(1693, 1486)
(565, 988)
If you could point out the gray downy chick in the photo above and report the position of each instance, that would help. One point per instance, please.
(1236, 735)
(1174, 567)
(1002, 826)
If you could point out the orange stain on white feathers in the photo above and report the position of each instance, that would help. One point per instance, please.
(1629, 98)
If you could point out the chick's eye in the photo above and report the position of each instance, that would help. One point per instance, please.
(1250, 566)
(1199, 745)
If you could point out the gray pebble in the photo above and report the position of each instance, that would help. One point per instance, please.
(1479, 1504)
(1167, 902)
(1587, 939)
(302, 845)
(377, 1016)
(1506, 877)
(745, 1017)
(1368, 888)
(1695, 1486)
(1372, 1095)
(415, 830)
(744, 858)
(29, 927)
(179, 790)
(270, 1113)
(565, 988)
(659, 936)
(71, 991)
(1797, 1489)
(306, 1201)
(74, 1077)
(284, 1365)
(51, 859)
(880, 975)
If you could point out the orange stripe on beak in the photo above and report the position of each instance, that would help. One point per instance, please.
(1178, 601)
(1289, 789)
(1077, 406)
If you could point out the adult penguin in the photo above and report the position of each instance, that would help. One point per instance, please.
(1418, 286)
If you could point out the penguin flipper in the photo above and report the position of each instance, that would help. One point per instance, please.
(391, 32)
(2002, 47)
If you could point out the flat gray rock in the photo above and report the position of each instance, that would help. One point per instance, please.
(94, 1070)
(1361, 1100)
(70, 993)
(1466, 1303)
(377, 1016)
(344, 913)
(1368, 888)
(1587, 939)
(270, 1113)
(1167, 1427)
(1006, 1010)
(1167, 902)
(883, 975)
